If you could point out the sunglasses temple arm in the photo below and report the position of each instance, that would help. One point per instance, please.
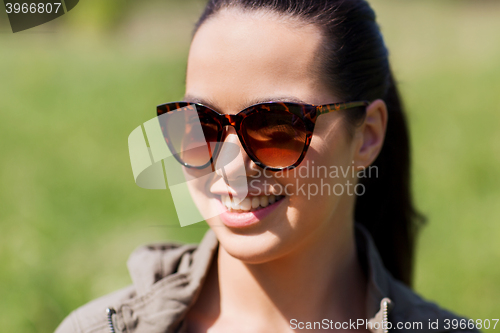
(322, 109)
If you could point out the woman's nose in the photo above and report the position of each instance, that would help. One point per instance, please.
(233, 164)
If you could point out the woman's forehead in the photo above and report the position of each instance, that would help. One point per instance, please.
(241, 52)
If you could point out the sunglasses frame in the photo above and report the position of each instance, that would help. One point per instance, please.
(308, 113)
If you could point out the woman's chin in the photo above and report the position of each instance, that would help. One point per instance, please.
(251, 253)
(254, 248)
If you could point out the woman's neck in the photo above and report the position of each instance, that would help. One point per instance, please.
(319, 279)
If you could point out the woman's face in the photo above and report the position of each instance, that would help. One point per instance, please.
(238, 59)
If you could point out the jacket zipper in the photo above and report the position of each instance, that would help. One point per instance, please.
(111, 312)
(385, 317)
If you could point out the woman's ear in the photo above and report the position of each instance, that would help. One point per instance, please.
(370, 135)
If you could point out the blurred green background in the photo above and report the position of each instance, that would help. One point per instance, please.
(72, 90)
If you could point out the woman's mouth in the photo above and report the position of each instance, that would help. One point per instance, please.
(249, 211)
(250, 204)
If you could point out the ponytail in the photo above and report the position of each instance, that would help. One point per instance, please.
(386, 208)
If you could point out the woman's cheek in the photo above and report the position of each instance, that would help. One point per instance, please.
(317, 186)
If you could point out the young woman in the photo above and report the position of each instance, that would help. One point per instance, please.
(297, 85)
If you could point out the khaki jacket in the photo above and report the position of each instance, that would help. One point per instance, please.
(168, 277)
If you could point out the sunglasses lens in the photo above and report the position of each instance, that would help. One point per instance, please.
(189, 133)
(276, 138)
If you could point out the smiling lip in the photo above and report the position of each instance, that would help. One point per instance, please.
(245, 219)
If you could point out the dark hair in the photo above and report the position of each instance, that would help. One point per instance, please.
(354, 62)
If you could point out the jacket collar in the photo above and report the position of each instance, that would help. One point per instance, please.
(168, 279)
(378, 304)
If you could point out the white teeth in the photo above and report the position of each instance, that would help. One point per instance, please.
(234, 205)
(272, 199)
(227, 201)
(246, 204)
(249, 204)
(255, 202)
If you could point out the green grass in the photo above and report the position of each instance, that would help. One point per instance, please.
(446, 58)
(70, 213)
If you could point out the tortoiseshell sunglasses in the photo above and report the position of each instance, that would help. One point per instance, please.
(275, 135)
